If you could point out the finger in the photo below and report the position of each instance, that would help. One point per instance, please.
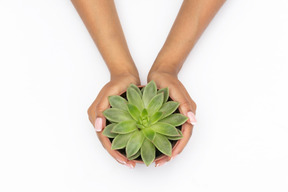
(188, 97)
(185, 107)
(95, 114)
(187, 130)
(162, 161)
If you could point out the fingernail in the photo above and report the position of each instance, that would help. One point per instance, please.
(192, 118)
(131, 166)
(98, 124)
(122, 162)
(173, 157)
(160, 164)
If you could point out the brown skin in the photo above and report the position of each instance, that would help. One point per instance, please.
(102, 22)
(191, 21)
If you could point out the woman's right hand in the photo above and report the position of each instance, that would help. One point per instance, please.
(117, 85)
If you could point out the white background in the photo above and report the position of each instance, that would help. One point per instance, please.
(51, 71)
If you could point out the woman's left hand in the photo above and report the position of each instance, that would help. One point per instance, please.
(187, 107)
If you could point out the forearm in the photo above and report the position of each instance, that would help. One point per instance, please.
(102, 22)
(191, 21)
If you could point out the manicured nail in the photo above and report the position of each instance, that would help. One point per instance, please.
(160, 164)
(173, 157)
(98, 124)
(130, 165)
(192, 118)
(122, 162)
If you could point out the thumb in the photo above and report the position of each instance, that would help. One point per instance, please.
(99, 120)
(98, 125)
(187, 110)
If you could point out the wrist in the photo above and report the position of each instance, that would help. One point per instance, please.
(163, 68)
(156, 73)
(123, 70)
(133, 76)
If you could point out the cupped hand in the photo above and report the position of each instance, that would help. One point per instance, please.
(187, 107)
(116, 86)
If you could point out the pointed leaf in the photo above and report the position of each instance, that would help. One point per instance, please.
(175, 119)
(118, 102)
(165, 91)
(117, 115)
(136, 89)
(148, 152)
(142, 90)
(149, 92)
(156, 117)
(134, 143)
(125, 127)
(163, 144)
(168, 108)
(149, 133)
(107, 131)
(134, 111)
(135, 156)
(134, 98)
(155, 104)
(120, 141)
(165, 129)
(140, 126)
(177, 137)
(144, 113)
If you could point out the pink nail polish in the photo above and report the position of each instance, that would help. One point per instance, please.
(131, 166)
(192, 118)
(173, 157)
(160, 164)
(122, 162)
(98, 124)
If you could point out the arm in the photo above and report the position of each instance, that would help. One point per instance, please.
(102, 22)
(191, 21)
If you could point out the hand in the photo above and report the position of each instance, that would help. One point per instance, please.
(187, 107)
(116, 86)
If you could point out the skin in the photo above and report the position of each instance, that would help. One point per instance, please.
(102, 22)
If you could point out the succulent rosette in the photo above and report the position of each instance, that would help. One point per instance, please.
(143, 123)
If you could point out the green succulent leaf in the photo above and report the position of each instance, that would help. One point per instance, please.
(142, 90)
(165, 91)
(134, 98)
(134, 111)
(175, 119)
(168, 108)
(107, 131)
(144, 113)
(136, 89)
(120, 141)
(149, 133)
(148, 152)
(140, 126)
(149, 92)
(117, 115)
(134, 143)
(118, 102)
(177, 137)
(155, 103)
(165, 129)
(163, 144)
(135, 156)
(125, 127)
(155, 117)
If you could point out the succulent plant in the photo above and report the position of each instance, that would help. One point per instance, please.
(144, 123)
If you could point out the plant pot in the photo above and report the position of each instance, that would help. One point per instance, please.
(159, 155)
